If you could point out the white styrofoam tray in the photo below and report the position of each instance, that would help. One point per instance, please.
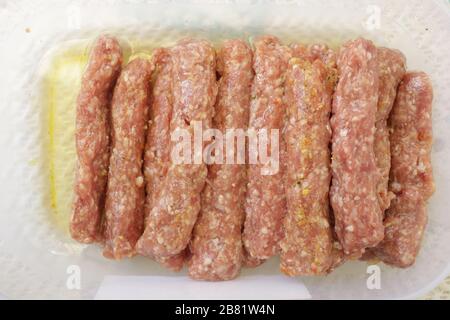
(37, 259)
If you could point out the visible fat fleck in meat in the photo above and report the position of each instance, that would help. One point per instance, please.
(170, 222)
(92, 139)
(124, 208)
(265, 202)
(353, 193)
(175, 262)
(411, 177)
(216, 245)
(306, 248)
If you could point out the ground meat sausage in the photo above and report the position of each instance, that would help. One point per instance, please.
(124, 208)
(265, 202)
(216, 246)
(92, 139)
(353, 193)
(392, 67)
(170, 222)
(157, 149)
(307, 244)
(411, 177)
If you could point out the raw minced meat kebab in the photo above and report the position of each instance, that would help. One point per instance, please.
(354, 146)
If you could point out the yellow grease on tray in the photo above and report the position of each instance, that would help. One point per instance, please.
(61, 85)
